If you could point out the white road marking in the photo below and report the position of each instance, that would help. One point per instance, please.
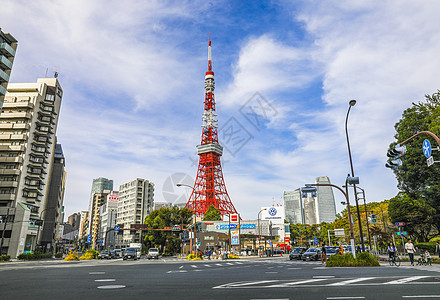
(349, 297)
(96, 273)
(330, 276)
(293, 268)
(294, 283)
(208, 266)
(180, 267)
(111, 287)
(104, 280)
(239, 263)
(405, 280)
(194, 266)
(345, 282)
(231, 264)
(218, 265)
(271, 272)
(422, 296)
(242, 284)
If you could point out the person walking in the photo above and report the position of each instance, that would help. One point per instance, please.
(428, 258)
(392, 250)
(409, 247)
(323, 254)
(437, 249)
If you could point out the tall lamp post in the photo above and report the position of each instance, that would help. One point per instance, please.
(195, 216)
(366, 215)
(352, 103)
(259, 226)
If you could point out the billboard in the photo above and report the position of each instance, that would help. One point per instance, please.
(275, 214)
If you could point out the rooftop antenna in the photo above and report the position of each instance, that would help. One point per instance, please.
(55, 74)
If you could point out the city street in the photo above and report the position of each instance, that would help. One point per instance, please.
(253, 278)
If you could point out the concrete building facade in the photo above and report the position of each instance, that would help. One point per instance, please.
(136, 201)
(54, 201)
(108, 213)
(98, 200)
(293, 204)
(28, 124)
(326, 207)
(99, 185)
(8, 46)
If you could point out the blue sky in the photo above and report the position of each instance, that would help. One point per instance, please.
(133, 79)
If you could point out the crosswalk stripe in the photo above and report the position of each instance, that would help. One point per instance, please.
(345, 282)
(405, 280)
(295, 283)
(194, 266)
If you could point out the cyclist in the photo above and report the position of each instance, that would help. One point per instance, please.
(392, 250)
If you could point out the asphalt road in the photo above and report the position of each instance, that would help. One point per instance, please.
(267, 278)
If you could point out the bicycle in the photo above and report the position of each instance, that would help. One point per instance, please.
(395, 260)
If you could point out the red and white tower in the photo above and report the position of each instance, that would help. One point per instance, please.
(209, 187)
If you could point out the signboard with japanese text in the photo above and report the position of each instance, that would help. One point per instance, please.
(235, 237)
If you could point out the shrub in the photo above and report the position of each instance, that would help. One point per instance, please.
(347, 260)
(59, 255)
(71, 257)
(87, 256)
(422, 247)
(232, 256)
(34, 256)
(5, 257)
(91, 252)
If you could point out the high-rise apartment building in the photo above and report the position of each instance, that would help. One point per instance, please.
(98, 200)
(293, 204)
(54, 200)
(28, 124)
(99, 185)
(326, 207)
(83, 224)
(136, 201)
(108, 214)
(8, 46)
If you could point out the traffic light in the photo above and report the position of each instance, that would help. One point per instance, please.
(394, 154)
(373, 218)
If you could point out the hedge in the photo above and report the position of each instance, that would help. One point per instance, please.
(34, 256)
(347, 260)
(5, 257)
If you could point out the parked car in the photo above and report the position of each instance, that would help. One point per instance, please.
(297, 253)
(117, 253)
(312, 253)
(104, 254)
(153, 253)
(329, 250)
(130, 253)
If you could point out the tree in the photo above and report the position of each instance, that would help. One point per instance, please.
(212, 214)
(166, 217)
(415, 179)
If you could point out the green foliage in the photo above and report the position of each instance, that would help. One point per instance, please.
(58, 255)
(166, 217)
(34, 256)
(212, 214)
(93, 252)
(347, 260)
(422, 247)
(416, 214)
(415, 179)
(5, 257)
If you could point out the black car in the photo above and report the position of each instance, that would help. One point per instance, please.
(104, 254)
(130, 253)
(312, 254)
(329, 250)
(297, 253)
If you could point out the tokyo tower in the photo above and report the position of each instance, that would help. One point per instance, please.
(209, 187)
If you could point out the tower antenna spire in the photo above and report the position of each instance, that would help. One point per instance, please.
(209, 54)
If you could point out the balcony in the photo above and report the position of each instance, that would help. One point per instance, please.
(9, 172)
(7, 196)
(3, 76)
(18, 115)
(2, 90)
(5, 63)
(6, 159)
(7, 50)
(19, 148)
(25, 104)
(13, 136)
(9, 184)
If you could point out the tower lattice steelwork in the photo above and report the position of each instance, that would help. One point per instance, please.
(209, 187)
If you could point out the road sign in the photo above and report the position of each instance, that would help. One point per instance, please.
(430, 161)
(116, 228)
(287, 239)
(401, 233)
(234, 217)
(89, 238)
(427, 148)
(339, 232)
(399, 224)
(315, 239)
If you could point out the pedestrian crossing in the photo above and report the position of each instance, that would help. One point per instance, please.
(332, 282)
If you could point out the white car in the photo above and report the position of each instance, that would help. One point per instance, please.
(153, 253)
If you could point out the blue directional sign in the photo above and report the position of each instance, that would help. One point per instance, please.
(316, 240)
(116, 228)
(247, 226)
(89, 238)
(427, 148)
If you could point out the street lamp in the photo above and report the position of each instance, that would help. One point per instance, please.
(366, 215)
(259, 226)
(352, 103)
(195, 216)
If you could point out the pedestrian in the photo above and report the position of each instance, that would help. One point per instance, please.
(428, 257)
(437, 249)
(409, 247)
(323, 253)
(392, 250)
(209, 254)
